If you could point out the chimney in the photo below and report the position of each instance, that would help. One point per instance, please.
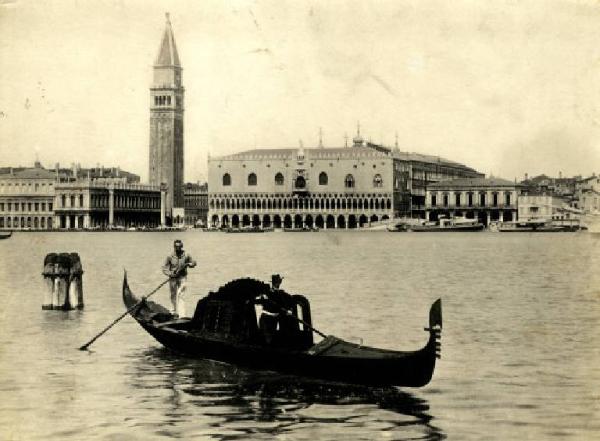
(559, 175)
(526, 176)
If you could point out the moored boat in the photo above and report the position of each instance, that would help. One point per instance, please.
(537, 226)
(452, 224)
(225, 328)
(248, 230)
(399, 227)
(5, 234)
(301, 230)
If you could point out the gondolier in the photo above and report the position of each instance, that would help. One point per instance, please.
(175, 267)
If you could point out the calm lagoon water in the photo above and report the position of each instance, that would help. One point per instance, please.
(520, 345)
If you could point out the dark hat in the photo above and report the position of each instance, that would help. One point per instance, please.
(276, 278)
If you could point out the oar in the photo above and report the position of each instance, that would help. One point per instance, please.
(85, 346)
(304, 323)
(289, 313)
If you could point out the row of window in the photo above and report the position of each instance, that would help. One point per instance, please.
(165, 100)
(35, 186)
(23, 222)
(470, 199)
(101, 201)
(300, 181)
(73, 198)
(25, 206)
(302, 204)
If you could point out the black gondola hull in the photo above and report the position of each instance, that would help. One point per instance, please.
(342, 362)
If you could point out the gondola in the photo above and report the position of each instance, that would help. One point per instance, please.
(5, 235)
(225, 328)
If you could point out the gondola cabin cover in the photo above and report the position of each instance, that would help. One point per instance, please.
(237, 310)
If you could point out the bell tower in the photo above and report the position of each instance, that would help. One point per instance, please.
(166, 121)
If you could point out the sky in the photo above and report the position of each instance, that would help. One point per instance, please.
(506, 87)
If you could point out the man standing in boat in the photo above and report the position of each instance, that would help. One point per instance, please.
(175, 267)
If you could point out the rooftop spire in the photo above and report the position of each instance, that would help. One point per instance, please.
(167, 55)
(358, 140)
(320, 137)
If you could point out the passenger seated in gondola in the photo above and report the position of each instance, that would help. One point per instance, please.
(274, 320)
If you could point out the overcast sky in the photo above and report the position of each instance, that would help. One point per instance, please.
(506, 87)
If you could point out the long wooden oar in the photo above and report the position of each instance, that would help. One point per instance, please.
(291, 314)
(85, 346)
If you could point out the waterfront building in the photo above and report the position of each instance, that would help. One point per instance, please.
(345, 187)
(588, 194)
(542, 205)
(424, 170)
(195, 204)
(561, 186)
(485, 199)
(26, 198)
(107, 204)
(166, 122)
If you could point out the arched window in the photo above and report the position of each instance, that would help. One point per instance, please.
(300, 182)
(226, 179)
(252, 179)
(278, 179)
(349, 181)
(323, 179)
(377, 181)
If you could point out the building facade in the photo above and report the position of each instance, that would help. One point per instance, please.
(166, 122)
(345, 187)
(27, 199)
(588, 194)
(294, 188)
(195, 204)
(97, 204)
(486, 199)
(425, 170)
(535, 205)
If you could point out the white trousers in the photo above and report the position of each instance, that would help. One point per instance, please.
(177, 286)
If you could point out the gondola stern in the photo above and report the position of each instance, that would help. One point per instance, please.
(435, 314)
(435, 327)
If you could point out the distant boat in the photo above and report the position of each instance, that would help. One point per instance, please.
(301, 230)
(536, 226)
(248, 230)
(5, 235)
(400, 227)
(452, 224)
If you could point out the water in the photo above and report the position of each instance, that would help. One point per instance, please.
(520, 345)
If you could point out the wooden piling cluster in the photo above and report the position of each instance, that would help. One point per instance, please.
(63, 274)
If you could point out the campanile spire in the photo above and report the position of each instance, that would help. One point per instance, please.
(166, 120)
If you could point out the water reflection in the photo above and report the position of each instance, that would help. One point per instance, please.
(235, 403)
